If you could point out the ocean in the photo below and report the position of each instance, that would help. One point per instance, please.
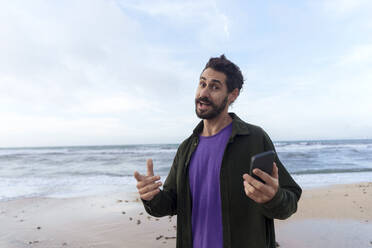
(92, 170)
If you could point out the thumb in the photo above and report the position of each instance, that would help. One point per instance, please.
(275, 171)
(138, 176)
(150, 167)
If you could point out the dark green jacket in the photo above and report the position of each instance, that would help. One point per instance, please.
(245, 222)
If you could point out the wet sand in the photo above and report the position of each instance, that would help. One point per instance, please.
(97, 222)
(338, 216)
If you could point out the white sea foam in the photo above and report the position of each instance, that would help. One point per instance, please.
(79, 171)
(308, 181)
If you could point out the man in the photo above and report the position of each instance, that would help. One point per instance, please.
(216, 202)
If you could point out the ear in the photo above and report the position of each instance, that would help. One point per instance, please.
(233, 95)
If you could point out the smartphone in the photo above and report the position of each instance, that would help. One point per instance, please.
(263, 161)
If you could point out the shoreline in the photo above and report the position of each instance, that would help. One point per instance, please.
(330, 216)
(306, 182)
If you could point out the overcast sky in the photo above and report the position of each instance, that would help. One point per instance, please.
(101, 72)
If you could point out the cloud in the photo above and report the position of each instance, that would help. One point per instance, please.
(78, 68)
(340, 8)
(359, 55)
(66, 49)
(101, 72)
(205, 16)
(33, 130)
(329, 100)
(120, 103)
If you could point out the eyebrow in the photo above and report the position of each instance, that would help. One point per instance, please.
(213, 80)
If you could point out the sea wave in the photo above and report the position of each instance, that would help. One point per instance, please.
(331, 171)
(78, 170)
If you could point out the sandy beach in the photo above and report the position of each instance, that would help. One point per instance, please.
(336, 216)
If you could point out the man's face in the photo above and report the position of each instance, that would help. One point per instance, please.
(211, 96)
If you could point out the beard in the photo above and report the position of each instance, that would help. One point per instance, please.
(211, 113)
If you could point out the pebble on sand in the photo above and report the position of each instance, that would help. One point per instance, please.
(170, 237)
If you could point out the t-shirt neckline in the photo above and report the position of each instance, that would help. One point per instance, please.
(212, 136)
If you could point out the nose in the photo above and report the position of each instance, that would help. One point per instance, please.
(204, 92)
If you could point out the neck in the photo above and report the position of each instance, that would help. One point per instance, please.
(213, 126)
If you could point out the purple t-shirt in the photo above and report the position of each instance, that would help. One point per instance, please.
(204, 176)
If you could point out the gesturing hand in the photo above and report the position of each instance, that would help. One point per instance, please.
(258, 191)
(147, 186)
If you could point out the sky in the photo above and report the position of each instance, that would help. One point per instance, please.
(105, 72)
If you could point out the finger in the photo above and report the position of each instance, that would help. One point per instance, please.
(263, 175)
(275, 173)
(146, 181)
(149, 195)
(253, 181)
(150, 167)
(274, 181)
(252, 190)
(249, 178)
(253, 193)
(149, 188)
(247, 190)
(138, 176)
(259, 186)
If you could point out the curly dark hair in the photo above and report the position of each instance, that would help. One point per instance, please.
(234, 76)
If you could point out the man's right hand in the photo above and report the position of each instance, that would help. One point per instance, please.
(148, 186)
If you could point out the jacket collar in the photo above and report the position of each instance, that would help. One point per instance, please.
(239, 127)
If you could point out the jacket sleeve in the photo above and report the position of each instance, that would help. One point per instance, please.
(284, 203)
(165, 202)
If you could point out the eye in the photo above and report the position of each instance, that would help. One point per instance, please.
(215, 87)
(202, 84)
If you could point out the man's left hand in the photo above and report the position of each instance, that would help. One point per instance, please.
(258, 191)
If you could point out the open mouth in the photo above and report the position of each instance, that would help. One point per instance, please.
(203, 105)
(203, 101)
